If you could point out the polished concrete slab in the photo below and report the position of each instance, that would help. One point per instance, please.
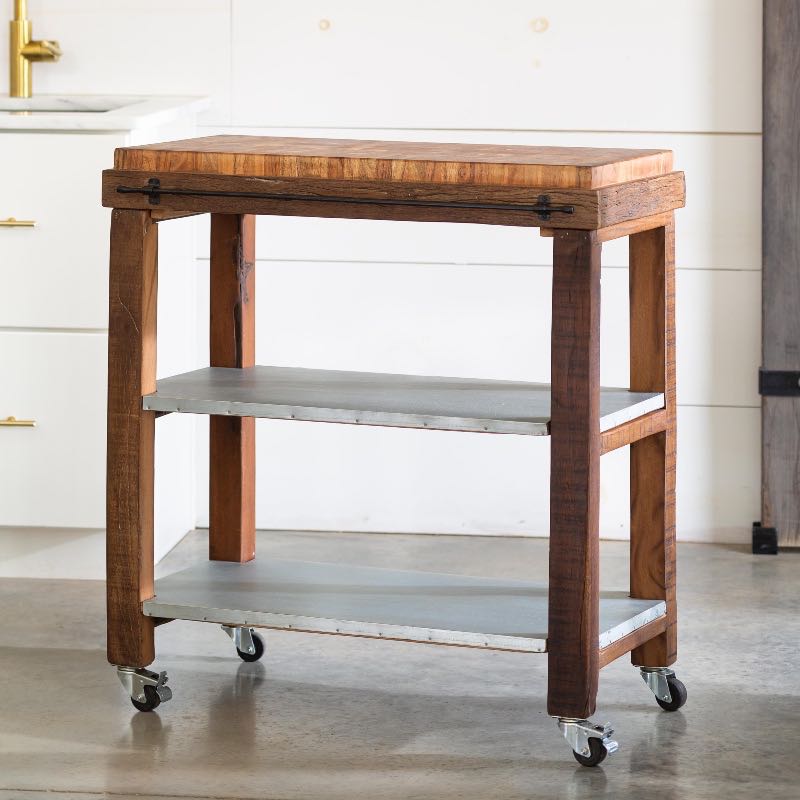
(335, 717)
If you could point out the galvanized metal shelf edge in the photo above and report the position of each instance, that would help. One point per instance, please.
(366, 398)
(373, 602)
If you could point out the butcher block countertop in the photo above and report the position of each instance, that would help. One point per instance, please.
(497, 165)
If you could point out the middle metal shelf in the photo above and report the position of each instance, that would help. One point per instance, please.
(367, 398)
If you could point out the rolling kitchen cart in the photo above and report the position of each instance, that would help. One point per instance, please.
(581, 197)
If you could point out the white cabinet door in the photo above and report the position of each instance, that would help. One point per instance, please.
(53, 474)
(54, 275)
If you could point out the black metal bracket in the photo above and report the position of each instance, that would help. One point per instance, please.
(542, 208)
(779, 382)
(153, 191)
(765, 540)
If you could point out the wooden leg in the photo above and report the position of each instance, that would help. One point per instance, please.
(652, 303)
(232, 520)
(573, 625)
(131, 373)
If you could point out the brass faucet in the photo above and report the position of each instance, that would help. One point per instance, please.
(23, 50)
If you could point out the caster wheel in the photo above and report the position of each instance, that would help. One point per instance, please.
(258, 643)
(152, 700)
(679, 695)
(597, 753)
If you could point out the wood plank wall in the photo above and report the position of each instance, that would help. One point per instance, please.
(781, 280)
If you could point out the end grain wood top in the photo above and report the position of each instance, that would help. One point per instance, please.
(426, 162)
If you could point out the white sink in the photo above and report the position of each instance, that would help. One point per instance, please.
(92, 112)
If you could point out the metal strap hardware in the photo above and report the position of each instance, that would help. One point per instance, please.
(542, 208)
(779, 382)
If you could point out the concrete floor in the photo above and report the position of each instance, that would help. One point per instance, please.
(332, 717)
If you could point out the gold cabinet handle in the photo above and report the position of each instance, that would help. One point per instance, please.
(13, 422)
(17, 223)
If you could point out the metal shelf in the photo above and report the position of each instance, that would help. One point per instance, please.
(381, 603)
(405, 401)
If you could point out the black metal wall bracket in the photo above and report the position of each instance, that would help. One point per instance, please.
(778, 382)
(542, 208)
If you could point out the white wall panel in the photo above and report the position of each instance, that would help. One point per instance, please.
(686, 65)
(717, 229)
(718, 477)
(718, 337)
(135, 47)
(444, 319)
(175, 470)
(175, 502)
(426, 319)
(719, 473)
(336, 477)
(489, 321)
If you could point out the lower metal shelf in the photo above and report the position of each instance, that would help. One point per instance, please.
(380, 603)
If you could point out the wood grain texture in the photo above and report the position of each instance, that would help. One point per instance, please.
(642, 198)
(573, 617)
(780, 416)
(629, 432)
(780, 468)
(633, 640)
(627, 228)
(164, 215)
(592, 208)
(652, 368)
(131, 431)
(381, 193)
(232, 454)
(338, 159)
(232, 341)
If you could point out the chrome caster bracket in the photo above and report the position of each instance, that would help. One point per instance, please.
(135, 680)
(657, 680)
(670, 693)
(243, 639)
(249, 645)
(579, 733)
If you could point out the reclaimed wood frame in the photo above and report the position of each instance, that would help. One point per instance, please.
(232, 440)
(640, 209)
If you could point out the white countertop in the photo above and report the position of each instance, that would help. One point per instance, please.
(94, 112)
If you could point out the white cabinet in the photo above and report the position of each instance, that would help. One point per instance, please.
(54, 275)
(691, 65)
(53, 339)
(53, 474)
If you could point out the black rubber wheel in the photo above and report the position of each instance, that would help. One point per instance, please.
(679, 695)
(152, 701)
(597, 753)
(259, 644)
